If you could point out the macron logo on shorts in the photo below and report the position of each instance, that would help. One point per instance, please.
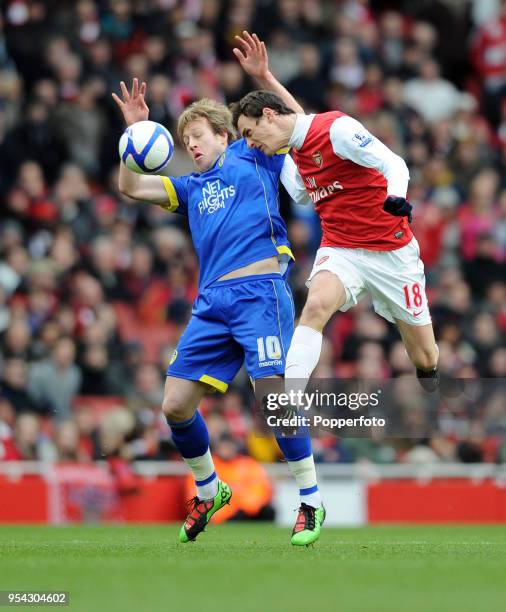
(266, 364)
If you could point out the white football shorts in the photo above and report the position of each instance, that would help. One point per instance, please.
(395, 280)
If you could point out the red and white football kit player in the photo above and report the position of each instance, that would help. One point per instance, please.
(358, 186)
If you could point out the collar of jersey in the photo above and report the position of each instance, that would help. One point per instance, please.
(300, 130)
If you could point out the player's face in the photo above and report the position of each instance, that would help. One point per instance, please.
(202, 144)
(262, 133)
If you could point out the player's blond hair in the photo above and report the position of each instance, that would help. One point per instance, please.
(217, 114)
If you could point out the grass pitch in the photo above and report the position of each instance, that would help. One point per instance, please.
(254, 568)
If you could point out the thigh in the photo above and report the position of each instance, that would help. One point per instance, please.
(207, 352)
(337, 277)
(396, 281)
(416, 337)
(261, 317)
(330, 290)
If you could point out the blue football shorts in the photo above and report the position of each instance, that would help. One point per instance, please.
(242, 320)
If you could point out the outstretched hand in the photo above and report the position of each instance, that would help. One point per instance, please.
(252, 55)
(133, 105)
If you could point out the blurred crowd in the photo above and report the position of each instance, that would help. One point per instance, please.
(95, 288)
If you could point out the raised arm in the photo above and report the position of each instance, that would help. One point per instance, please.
(252, 55)
(138, 186)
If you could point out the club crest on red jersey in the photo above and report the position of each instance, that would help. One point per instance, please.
(318, 158)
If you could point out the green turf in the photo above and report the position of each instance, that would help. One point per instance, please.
(254, 568)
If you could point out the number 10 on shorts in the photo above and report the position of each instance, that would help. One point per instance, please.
(268, 348)
(416, 293)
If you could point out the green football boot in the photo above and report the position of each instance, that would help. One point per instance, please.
(201, 511)
(308, 524)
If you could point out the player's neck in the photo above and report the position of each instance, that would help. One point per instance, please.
(287, 125)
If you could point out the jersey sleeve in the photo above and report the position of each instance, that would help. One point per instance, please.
(350, 140)
(293, 182)
(177, 194)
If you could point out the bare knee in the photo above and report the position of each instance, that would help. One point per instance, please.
(175, 408)
(316, 312)
(424, 358)
(181, 398)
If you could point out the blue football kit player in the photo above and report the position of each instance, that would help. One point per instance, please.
(244, 310)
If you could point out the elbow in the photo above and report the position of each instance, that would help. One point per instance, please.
(126, 189)
(403, 168)
(122, 183)
(406, 170)
(123, 189)
(398, 169)
(304, 200)
(126, 181)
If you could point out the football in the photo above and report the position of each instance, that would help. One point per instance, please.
(146, 147)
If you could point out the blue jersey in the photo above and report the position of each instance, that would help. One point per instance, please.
(232, 210)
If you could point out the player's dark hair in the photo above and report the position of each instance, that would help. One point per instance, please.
(253, 104)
